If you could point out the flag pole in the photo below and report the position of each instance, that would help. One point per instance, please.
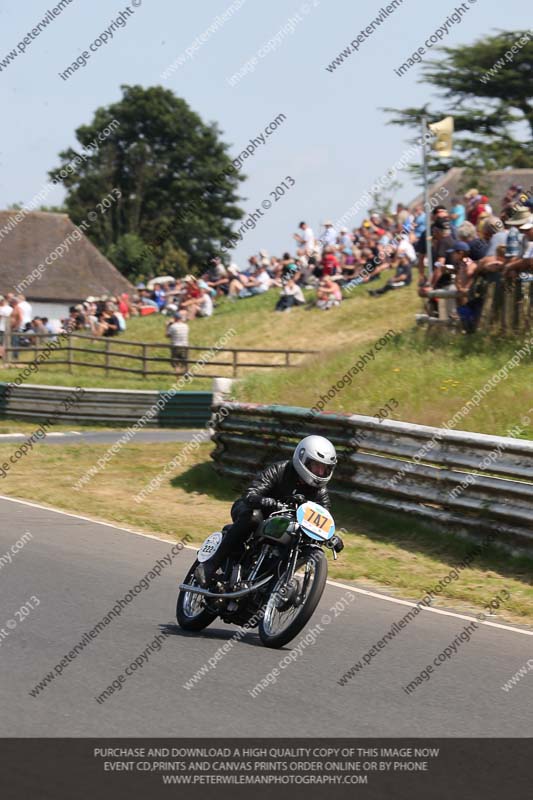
(427, 207)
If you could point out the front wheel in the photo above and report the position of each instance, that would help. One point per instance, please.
(286, 613)
(191, 611)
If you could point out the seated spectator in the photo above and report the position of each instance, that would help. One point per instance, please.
(123, 305)
(40, 334)
(193, 294)
(205, 306)
(108, 324)
(289, 269)
(237, 281)
(330, 263)
(112, 308)
(217, 277)
(159, 296)
(291, 295)
(348, 265)
(145, 301)
(258, 283)
(402, 277)
(76, 319)
(53, 326)
(329, 294)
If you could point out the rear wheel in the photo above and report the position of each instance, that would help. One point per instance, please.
(192, 613)
(287, 612)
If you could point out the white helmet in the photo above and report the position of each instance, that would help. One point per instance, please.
(314, 460)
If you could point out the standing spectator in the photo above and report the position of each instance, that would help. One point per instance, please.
(525, 260)
(177, 331)
(478, 247)
(5, 313)
(494, 234)
(457, 214)
(16, 326)
(26, 310)
(469, 300)
(328, 237)
(419, 226)
(306, 239)
(441, 241)
(403, 217)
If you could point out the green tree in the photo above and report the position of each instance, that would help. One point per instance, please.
(177, 184)
(488, 89)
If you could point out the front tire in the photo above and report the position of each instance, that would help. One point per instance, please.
(191, 612)
(314, 591)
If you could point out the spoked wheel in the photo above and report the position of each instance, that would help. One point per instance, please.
(191, 610)
(288, 609)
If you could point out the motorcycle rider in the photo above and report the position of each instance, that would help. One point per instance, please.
(304, 477)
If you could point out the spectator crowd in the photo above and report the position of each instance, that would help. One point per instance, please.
(470, 245)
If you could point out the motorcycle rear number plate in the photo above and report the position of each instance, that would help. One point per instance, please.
(316, 519)
(209, 547)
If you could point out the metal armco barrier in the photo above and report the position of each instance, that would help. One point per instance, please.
(394, 465)
(35, 402)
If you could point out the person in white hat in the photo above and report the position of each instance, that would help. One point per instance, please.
(525, 262)
(328, 237)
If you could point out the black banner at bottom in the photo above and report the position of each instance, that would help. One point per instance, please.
(53, 769)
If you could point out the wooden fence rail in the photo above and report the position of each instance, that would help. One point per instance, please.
(118, 355)
(436, 474)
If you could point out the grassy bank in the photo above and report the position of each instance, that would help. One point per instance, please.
(382, 550)
(430, 374)
(430, 378)
(353, 325)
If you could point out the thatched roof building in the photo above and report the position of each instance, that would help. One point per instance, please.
(497, 182)
(50, 260)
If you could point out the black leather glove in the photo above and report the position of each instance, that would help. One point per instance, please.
(299, 499)
(268, 504)
(336, 543)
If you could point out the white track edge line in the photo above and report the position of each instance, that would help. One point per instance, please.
(367, 592)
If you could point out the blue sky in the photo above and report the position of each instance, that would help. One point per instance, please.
(335, 141)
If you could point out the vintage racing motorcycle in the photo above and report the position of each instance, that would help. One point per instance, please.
(275, 582)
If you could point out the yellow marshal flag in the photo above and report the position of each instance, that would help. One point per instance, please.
(443, 130)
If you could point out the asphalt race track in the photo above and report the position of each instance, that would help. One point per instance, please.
(151, 435)
(77, 569)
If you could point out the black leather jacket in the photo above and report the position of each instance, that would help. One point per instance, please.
(281, 481)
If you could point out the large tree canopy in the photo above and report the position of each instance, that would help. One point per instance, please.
(488, 88)
(177, 183)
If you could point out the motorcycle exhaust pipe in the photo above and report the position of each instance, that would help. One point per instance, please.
(225, 595)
